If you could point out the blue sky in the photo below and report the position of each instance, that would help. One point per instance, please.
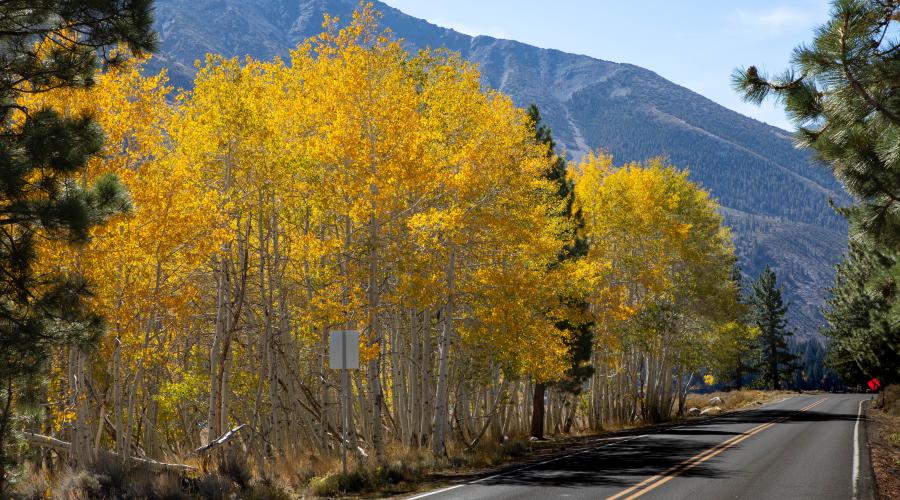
(694, 43)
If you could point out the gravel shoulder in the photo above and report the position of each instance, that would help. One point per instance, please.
(883, 433)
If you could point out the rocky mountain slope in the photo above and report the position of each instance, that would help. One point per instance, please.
(774, 197)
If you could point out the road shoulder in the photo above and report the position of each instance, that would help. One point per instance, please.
(882, 431)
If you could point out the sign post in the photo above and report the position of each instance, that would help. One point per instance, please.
(343, 354)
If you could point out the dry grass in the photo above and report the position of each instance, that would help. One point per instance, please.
(36, 486)
(883, 434)
(296, 469)
(734, 400)
(406, 469)
(889, 401)
(233, 478)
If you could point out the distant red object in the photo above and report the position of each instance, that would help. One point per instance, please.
(874, 384)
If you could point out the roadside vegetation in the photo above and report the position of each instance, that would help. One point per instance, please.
(717, 402)
(843, 93)
(171, 340)
(500, 292)
(883, 434)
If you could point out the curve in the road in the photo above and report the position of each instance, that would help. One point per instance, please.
(804, 446)
(654, 482)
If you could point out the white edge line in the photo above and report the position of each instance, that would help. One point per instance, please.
(617, 441)
(435, 492)
(856, 450)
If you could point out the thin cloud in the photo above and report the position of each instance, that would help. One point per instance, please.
(779, 17)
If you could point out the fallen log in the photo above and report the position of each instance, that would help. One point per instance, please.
(46, 441)
(219, 441)
(57, 444)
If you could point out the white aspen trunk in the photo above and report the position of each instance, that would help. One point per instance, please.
(397, 382)
(266, 347)
(327, 405)
(416, 375)
(82, 452)
(354, 434)
(214, 383)
(375, 339)
(117, 398)
(220, 265)
(426, 415)
(442, 396)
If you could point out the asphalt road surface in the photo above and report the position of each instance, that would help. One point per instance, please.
(806, 446)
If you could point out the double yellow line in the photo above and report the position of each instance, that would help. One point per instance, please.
(658, 480)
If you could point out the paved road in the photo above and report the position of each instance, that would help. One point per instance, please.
(801, 447)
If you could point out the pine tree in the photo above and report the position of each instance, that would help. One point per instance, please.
(48, 45)
(746, 348)
(843, 93)
(814, 374)
(767, 311)
(580, 347)
(864, 342)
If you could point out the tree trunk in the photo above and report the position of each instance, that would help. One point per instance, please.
(82, 451)
(773, 366)
(442, 399)
(537, 411)
(427, 413)
(375, 339)
(5, 418)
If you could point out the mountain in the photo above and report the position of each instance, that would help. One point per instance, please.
(774, 196)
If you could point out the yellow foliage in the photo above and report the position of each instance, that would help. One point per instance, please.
(354, 186)
(658, 250)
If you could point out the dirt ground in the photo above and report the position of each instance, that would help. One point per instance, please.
(884, 442)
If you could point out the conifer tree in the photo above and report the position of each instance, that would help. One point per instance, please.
(842, 92)
(746, 348)
(864, 342)
(580, 346)
(767, 311)
(49, 45)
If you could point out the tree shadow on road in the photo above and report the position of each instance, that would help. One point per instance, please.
(764, 416)
(626, 462)
(612, 465)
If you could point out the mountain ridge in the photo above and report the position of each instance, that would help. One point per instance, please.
(770, 191)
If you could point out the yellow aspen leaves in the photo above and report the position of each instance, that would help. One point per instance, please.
(357, 186)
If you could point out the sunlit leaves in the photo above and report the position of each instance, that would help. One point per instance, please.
(659, 256)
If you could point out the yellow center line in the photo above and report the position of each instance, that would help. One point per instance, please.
(667, 475)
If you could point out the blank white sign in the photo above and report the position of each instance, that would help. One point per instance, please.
(343, 349)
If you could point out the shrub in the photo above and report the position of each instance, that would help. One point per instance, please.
(167, 487)
(264, 490)
(111, 475)
(214, 487)
(339, 483)
(457, 461)
(296, 469)
(894, 438)
(34, 487)
(514, 448)
(398, 472)
(80, 485)
(890, 399)
(234, 466)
